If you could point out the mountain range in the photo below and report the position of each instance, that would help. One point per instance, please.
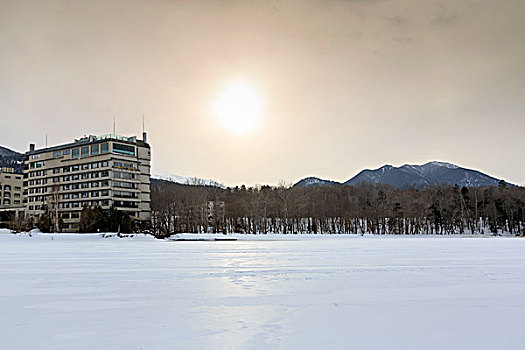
(405, 176)
(410, 175)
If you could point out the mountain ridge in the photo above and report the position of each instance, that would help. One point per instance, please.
(414, 175)
(11, 159)
(183, 180)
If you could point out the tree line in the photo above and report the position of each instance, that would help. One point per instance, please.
(367, 208)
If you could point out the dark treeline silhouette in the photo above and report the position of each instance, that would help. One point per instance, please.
(367, 208)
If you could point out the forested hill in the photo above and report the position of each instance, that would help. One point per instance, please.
(11, 159)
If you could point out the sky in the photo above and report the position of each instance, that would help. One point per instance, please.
(341, 85)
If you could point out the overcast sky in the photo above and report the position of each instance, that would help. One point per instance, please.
(344, 85)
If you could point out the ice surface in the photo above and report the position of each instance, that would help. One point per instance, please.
(307, 292)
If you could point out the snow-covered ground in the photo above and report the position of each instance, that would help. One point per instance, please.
(343, 292)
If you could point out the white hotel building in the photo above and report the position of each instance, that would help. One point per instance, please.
(103, 171)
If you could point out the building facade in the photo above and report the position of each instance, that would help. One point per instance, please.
(105, 171)
(11, 184)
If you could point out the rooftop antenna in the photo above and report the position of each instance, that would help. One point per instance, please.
(144, 135)
(46, 140)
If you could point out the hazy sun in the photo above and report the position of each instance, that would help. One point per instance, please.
(238, 108)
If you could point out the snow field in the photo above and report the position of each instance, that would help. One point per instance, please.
(88, 292)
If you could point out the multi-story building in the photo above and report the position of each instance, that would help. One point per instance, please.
(103, 171)
(11, 198)
(10, 188)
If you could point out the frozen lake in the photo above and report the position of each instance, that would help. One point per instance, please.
(86, 292)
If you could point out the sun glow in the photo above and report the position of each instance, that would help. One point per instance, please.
(238, 108)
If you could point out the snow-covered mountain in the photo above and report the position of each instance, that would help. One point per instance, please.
(315, 181)
(189, 180)
(417, 176)
(11, 159)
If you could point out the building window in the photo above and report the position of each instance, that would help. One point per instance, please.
(94, 149)
(75, 153)
(85, 166)
(57, 154)
(65, 169)
(104, 148)
(104, 164)
(94, 166)
(75, 168)
(75, 177)
(56, 171)
(65, 196)
(94, 184)
(127, 185)
(67, 178)
(84, 151)
(66, 187)
(123, 194)
(85, 185)
(85, 176)
(122, 175)
(67, 151)
(94, 194)
(124, 149)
